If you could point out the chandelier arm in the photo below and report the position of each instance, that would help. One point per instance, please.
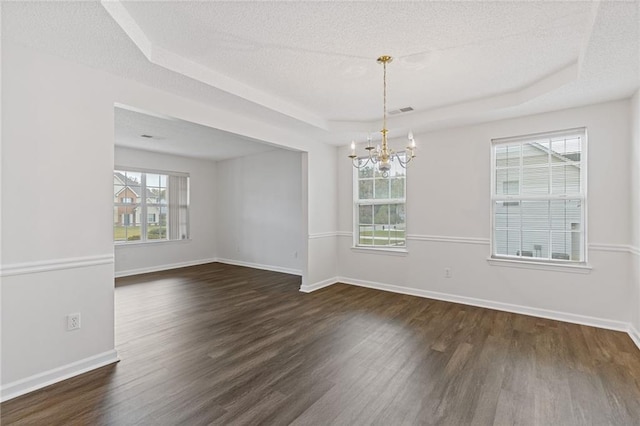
(356, 162)
(404, 164)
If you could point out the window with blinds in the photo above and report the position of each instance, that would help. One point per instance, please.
(150, 206)
(539, 197)
(379, 207)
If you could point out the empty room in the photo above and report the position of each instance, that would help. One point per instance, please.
(320, 212)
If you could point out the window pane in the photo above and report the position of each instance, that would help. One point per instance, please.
(507, 155)
(396, 214)
(397, 187)
(535, 244)
(133, 178)
(153, 180)
(381, 214)
(566, 215)
(535, 180)
(507, 180)
(535, 153)
(396, 169)
(535, 215)
(565, 179)
(365, 235)
(566, 149)
(381, 188)
(365, 189)
(507, 242)
(507, 214)
(156, 232)
(365, 215)
(381, 235)
(365, 172)
(126, 223)
(117, 189)
(566, 245)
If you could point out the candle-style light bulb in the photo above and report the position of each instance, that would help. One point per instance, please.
(413, 141)
(353, 147)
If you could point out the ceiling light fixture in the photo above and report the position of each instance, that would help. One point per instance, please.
(382, 156)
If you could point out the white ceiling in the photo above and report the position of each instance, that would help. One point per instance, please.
(310, 66)
(178, 137)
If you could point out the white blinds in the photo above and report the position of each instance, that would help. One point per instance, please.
(178, 207)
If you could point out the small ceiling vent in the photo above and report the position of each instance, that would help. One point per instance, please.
(401, 110)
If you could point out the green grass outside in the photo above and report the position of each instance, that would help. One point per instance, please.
(384, 238)
(395, 233)
(132, 233)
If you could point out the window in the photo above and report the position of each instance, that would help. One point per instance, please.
(539, 197)
(379, 207)
(150, 206)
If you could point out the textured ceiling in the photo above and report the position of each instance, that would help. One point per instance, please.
(310, 66)
(322, 55)
(178, 137)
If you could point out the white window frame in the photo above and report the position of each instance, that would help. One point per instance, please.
(356, 225)
(558, 264)
(144, 217)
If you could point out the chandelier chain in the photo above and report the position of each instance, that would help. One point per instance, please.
(384, 95)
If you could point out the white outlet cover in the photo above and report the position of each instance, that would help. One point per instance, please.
(73, 321)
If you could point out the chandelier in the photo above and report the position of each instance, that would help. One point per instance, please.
(382, 156)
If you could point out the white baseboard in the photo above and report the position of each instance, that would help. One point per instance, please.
(159, 268)
(260, 266)
(507, 307)
(308, 288)
(635, 335)
(38, 381)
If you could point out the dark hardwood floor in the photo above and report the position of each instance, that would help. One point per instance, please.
(219, 344)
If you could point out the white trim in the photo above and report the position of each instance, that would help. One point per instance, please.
(447, 239)
(58, 374)
(317, 286)
(260, 266)
(634, 250)
(507, 307)
(344, 234)
(389, 251)
(55, 265)
(610, 247)
(322, 235)
(138, 243)
(159, 268)
(545, 266)
(635, 335)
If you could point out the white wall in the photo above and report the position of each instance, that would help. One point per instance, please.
(57, 251)
(635, 212)
(201, 247)
(57, 248)
(448, 192)
(259, 211)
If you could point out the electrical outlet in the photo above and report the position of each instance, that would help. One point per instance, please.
(73, 321)
(447, 272)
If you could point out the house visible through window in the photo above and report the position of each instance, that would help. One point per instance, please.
(150, 206)
(380, 207)
(539, 197)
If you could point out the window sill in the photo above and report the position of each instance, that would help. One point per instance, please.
(149, 242)
(381, 250)
(576, 268)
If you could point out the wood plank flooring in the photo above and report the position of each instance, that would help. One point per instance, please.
(219, 344)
